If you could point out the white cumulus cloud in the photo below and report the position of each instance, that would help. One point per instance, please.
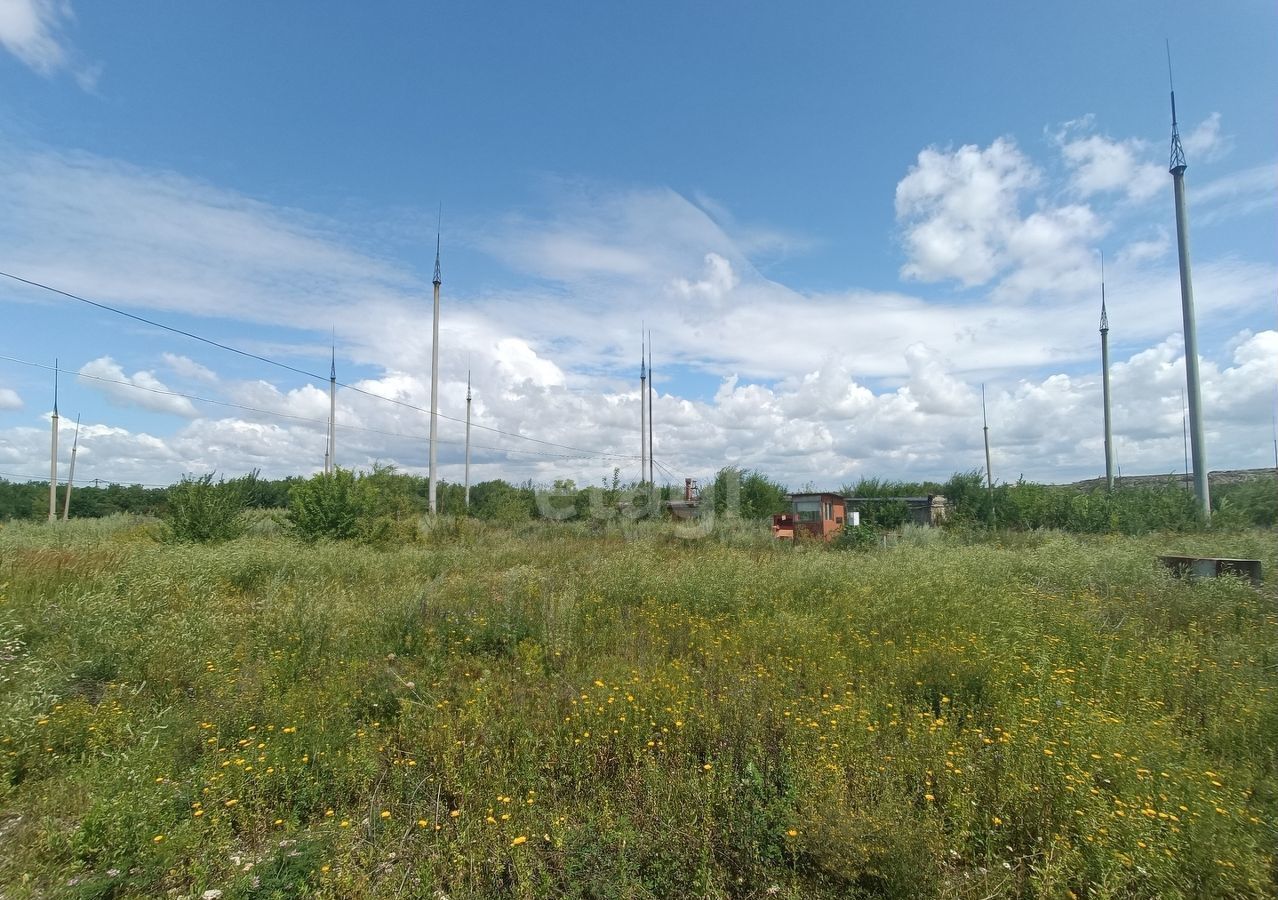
(957, 208)
(1100, 164)
(141, 388)
(186, 367)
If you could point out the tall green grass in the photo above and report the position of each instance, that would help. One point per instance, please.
(561, 711)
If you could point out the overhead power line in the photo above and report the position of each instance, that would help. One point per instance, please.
(303, 372)
(283, 415)
(155, 324)
(45, 479)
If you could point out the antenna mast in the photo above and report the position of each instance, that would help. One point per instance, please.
(75, 443)
(1104, 333)
(468, 439)
(652, 383)
(643, 405)
(989, 474)
(330, 454)
(434, 368)
(1184, 436)
(53, 452)
(1197, 443)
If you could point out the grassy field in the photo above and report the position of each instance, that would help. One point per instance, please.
(546, 712)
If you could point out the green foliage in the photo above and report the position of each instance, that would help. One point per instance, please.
(858, 537)
(503, 503)
(379, 508)
(324, 506)
(388, 510)
(203, 511)
(741, 492)
(1246, 504)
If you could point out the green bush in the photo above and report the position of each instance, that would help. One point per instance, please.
(324, 506)
(858, 537)
(202, 511)
(379, 508)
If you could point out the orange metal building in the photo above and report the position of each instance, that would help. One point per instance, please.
(813, 515)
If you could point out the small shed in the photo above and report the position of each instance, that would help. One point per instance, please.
(816, 515)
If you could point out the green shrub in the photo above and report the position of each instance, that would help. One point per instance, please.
(201, 511)
(858, 537)
(379, 508)
(324, 506)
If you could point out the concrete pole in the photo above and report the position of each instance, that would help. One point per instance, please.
(643, 411)
(652, 384)
(467, 501)
(53, 452)
(75, 444)
(330, 458)
(1109, 432)
(1109, 428)
(1197, 444)
(989, 472)
(434, 384)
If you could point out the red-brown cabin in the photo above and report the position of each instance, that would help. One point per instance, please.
(814, 515)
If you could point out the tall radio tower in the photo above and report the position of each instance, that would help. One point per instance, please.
(434, 374)
(330, 455)
(53, 452)
(66, 499)
(652, 384)
(1197, 445)
(467, 495)
(643, 407)
(1109, 432)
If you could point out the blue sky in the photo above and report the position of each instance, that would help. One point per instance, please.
(838, 222)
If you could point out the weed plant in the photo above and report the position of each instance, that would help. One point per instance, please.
(580, 711)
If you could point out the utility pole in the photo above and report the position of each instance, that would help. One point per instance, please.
(468, 440)
(989, 473)
(1184, 436)
(330, 455)
(1109, 432)
(53, 452)
(643, 407)
(652, 383)
(75, 444)
(434, 377)
(1196, 441)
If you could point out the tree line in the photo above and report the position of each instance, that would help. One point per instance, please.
(385, 501)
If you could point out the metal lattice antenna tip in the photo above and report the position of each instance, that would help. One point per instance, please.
(1176, 163)
(1104, 322)
(439, 227)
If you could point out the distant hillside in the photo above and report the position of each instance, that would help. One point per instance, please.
(1227, 476)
